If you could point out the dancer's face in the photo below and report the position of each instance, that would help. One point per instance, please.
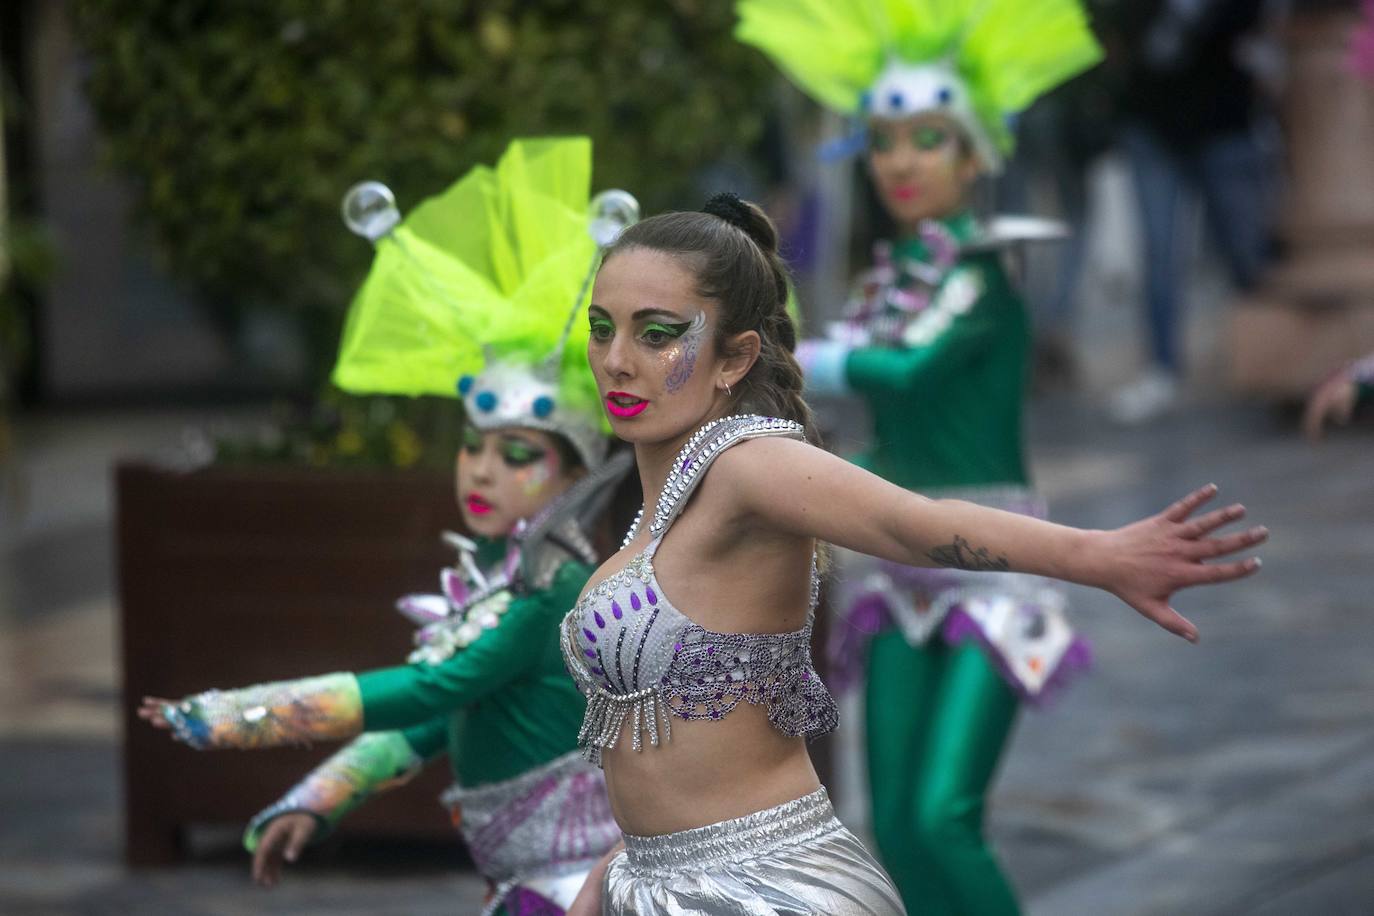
(653, 348)
(922, 166)
(507, 475)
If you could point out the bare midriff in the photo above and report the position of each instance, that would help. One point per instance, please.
(710, 771)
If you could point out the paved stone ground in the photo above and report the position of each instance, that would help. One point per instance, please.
(1233, 777)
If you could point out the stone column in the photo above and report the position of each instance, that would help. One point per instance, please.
(1315, 309)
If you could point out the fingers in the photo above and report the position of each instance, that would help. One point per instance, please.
(1334, 400)
(1208, 548)
(1169, 619)
(151, 711)
(266, 861)
(1226, 572)
(300, 835)
(1314, 417)
(1185, 507)
(1205, 524)
(261, 858)
(283, 840)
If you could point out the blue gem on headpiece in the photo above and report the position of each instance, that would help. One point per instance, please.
(945, 95)
(896, 100)
(543, 406)
(464, 385)
(486, 401)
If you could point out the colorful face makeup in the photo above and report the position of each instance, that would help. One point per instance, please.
(920, 166)
(506, 475)
(681, 359)
(649, 346)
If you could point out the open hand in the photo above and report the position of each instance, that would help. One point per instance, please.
(150, 711)
(282, 841)
(1333, 400)
(1143, 564)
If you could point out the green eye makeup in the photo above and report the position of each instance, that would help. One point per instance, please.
(518, 453)
(601, 329)
(929, 138)
(657, 333)
(472, 439)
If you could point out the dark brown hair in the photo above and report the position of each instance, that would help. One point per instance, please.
(733, 253)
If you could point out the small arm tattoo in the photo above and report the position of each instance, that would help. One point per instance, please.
(963, 555)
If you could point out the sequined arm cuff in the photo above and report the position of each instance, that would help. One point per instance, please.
(369, 764)
(324, 708)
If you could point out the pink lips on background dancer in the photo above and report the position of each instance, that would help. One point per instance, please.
(624, 405)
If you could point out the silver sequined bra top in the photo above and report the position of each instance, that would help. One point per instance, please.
(636, 656)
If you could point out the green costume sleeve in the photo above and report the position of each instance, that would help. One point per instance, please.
(957, 325)
(413, 694)
(428, 740)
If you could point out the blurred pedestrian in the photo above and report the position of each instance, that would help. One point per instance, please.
(1195, 117)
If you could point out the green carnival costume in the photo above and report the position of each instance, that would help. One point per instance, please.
(500, 257)
(935, 340)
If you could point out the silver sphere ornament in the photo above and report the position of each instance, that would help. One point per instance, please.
(369, 209)
(611, 212)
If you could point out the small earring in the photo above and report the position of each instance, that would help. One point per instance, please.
(727, 390)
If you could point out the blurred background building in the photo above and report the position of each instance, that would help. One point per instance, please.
(174, 272)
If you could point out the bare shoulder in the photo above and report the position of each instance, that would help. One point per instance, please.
(769, 463)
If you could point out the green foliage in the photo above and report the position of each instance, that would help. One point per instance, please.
(243, 123)
(343, 431)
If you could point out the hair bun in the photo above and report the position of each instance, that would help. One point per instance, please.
(747, 217)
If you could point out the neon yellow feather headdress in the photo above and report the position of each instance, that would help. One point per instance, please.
(475, 293)
(977, 61)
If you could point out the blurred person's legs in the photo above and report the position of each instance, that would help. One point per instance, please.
(1236, 177)
(1054, 359)
(1046, 158)
(1159, 181)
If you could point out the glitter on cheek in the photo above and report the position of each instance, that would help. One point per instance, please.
(534, 478)
(682, 359)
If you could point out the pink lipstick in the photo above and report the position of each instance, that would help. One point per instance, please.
(477, 505)
(623, 405)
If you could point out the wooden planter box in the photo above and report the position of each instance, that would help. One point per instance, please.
(229, 577)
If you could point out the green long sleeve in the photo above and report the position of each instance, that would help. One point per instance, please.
(508, 703)
(947, 408)
(427, 740)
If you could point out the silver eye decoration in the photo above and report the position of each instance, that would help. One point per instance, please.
(369, 209)
(611, 212)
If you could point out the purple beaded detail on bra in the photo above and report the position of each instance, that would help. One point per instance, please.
(711, 672)
(639, 659)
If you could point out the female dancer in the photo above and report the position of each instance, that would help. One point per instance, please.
(487, 681)
(935, 341)
(692, 644)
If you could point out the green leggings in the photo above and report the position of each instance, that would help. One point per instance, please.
(938, 719)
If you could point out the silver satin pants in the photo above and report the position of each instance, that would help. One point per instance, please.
(794, 859)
